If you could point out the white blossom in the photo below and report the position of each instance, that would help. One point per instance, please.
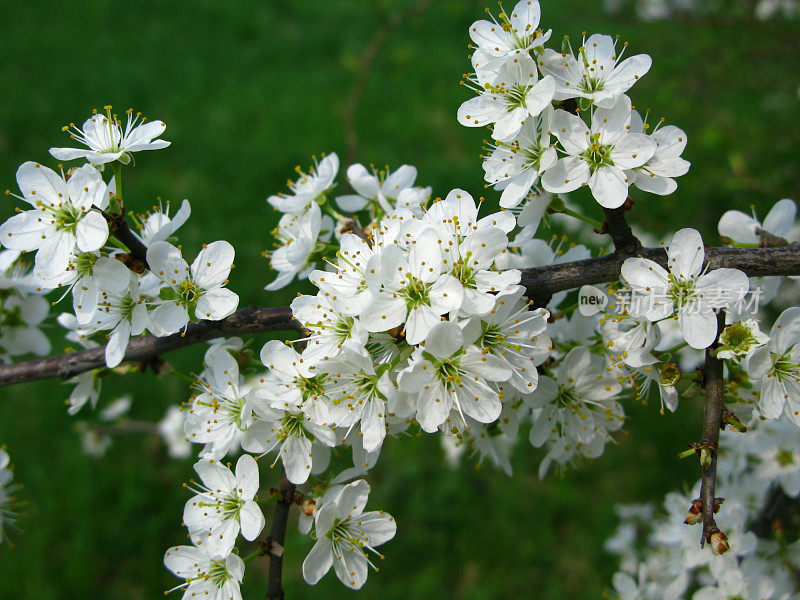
(598, 156)
(686, 289)
(191, 293)
(207, 575)
(345, 533)
(62, 220)
(597, 74)
(224, 504)
(108, 141)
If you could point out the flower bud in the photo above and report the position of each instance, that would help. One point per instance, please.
(695, 512)
(705, 457)
(309, 507)
(719, 542)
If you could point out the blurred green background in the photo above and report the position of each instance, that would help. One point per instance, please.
(250, 89)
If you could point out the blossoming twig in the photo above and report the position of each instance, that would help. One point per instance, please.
(540, 283)
(252, 319)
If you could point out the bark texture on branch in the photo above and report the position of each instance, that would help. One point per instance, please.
(252, 319)
(119, 228)
(541, 283)
(273, 544)
(712, 422)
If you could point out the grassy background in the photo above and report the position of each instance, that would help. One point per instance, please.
(248, 90)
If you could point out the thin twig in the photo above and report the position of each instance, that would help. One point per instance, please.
(541, 283)
(712, 422)
(273, 544)
(615, 225)
(119, 228)
(364, 70)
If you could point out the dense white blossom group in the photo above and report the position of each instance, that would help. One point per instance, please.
(419, 323)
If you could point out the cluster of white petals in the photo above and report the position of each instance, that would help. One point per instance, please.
(418, 324)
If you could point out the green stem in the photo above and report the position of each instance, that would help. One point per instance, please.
(268, 499)
(115, 242)
(674, 349)
(335, 213)
(252, 555)
(182, 377)
(576, 215)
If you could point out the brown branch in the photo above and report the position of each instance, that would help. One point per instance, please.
(252, 319)
(373, 48)
(118, 227)
(615, 225)
(712, 423)
(272, 545)
(755, 262)
(541, 283)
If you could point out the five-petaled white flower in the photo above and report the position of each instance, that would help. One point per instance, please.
(303, 239)
(451, 374)
(383, 191)
(507, 100)
(191, 293)
(686, 289)
(775, 368)
(597, 73)
(411, 288)
(107, 141)
(63, 219)
(598, 155)
(310, 188)
(224, 504)
(208, 574)
(344, 535)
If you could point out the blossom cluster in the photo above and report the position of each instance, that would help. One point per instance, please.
(562, 118)
(73, 226)
(657, 546)
(419, 322)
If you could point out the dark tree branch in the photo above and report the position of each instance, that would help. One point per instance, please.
(712, 422)
(272, 545)
(541, 283)
(252, 319)
(755, 262)
(119, 228)
(615, 225)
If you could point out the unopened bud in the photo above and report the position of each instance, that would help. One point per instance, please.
(719, 542)
(309, 506)
(695, 512)
(705, 457)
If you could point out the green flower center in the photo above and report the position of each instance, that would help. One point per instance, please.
(310, 387)
(785, 458)
(416, 292)
(293, 425)
(597, 154)
(681, 291)
(783, 367)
